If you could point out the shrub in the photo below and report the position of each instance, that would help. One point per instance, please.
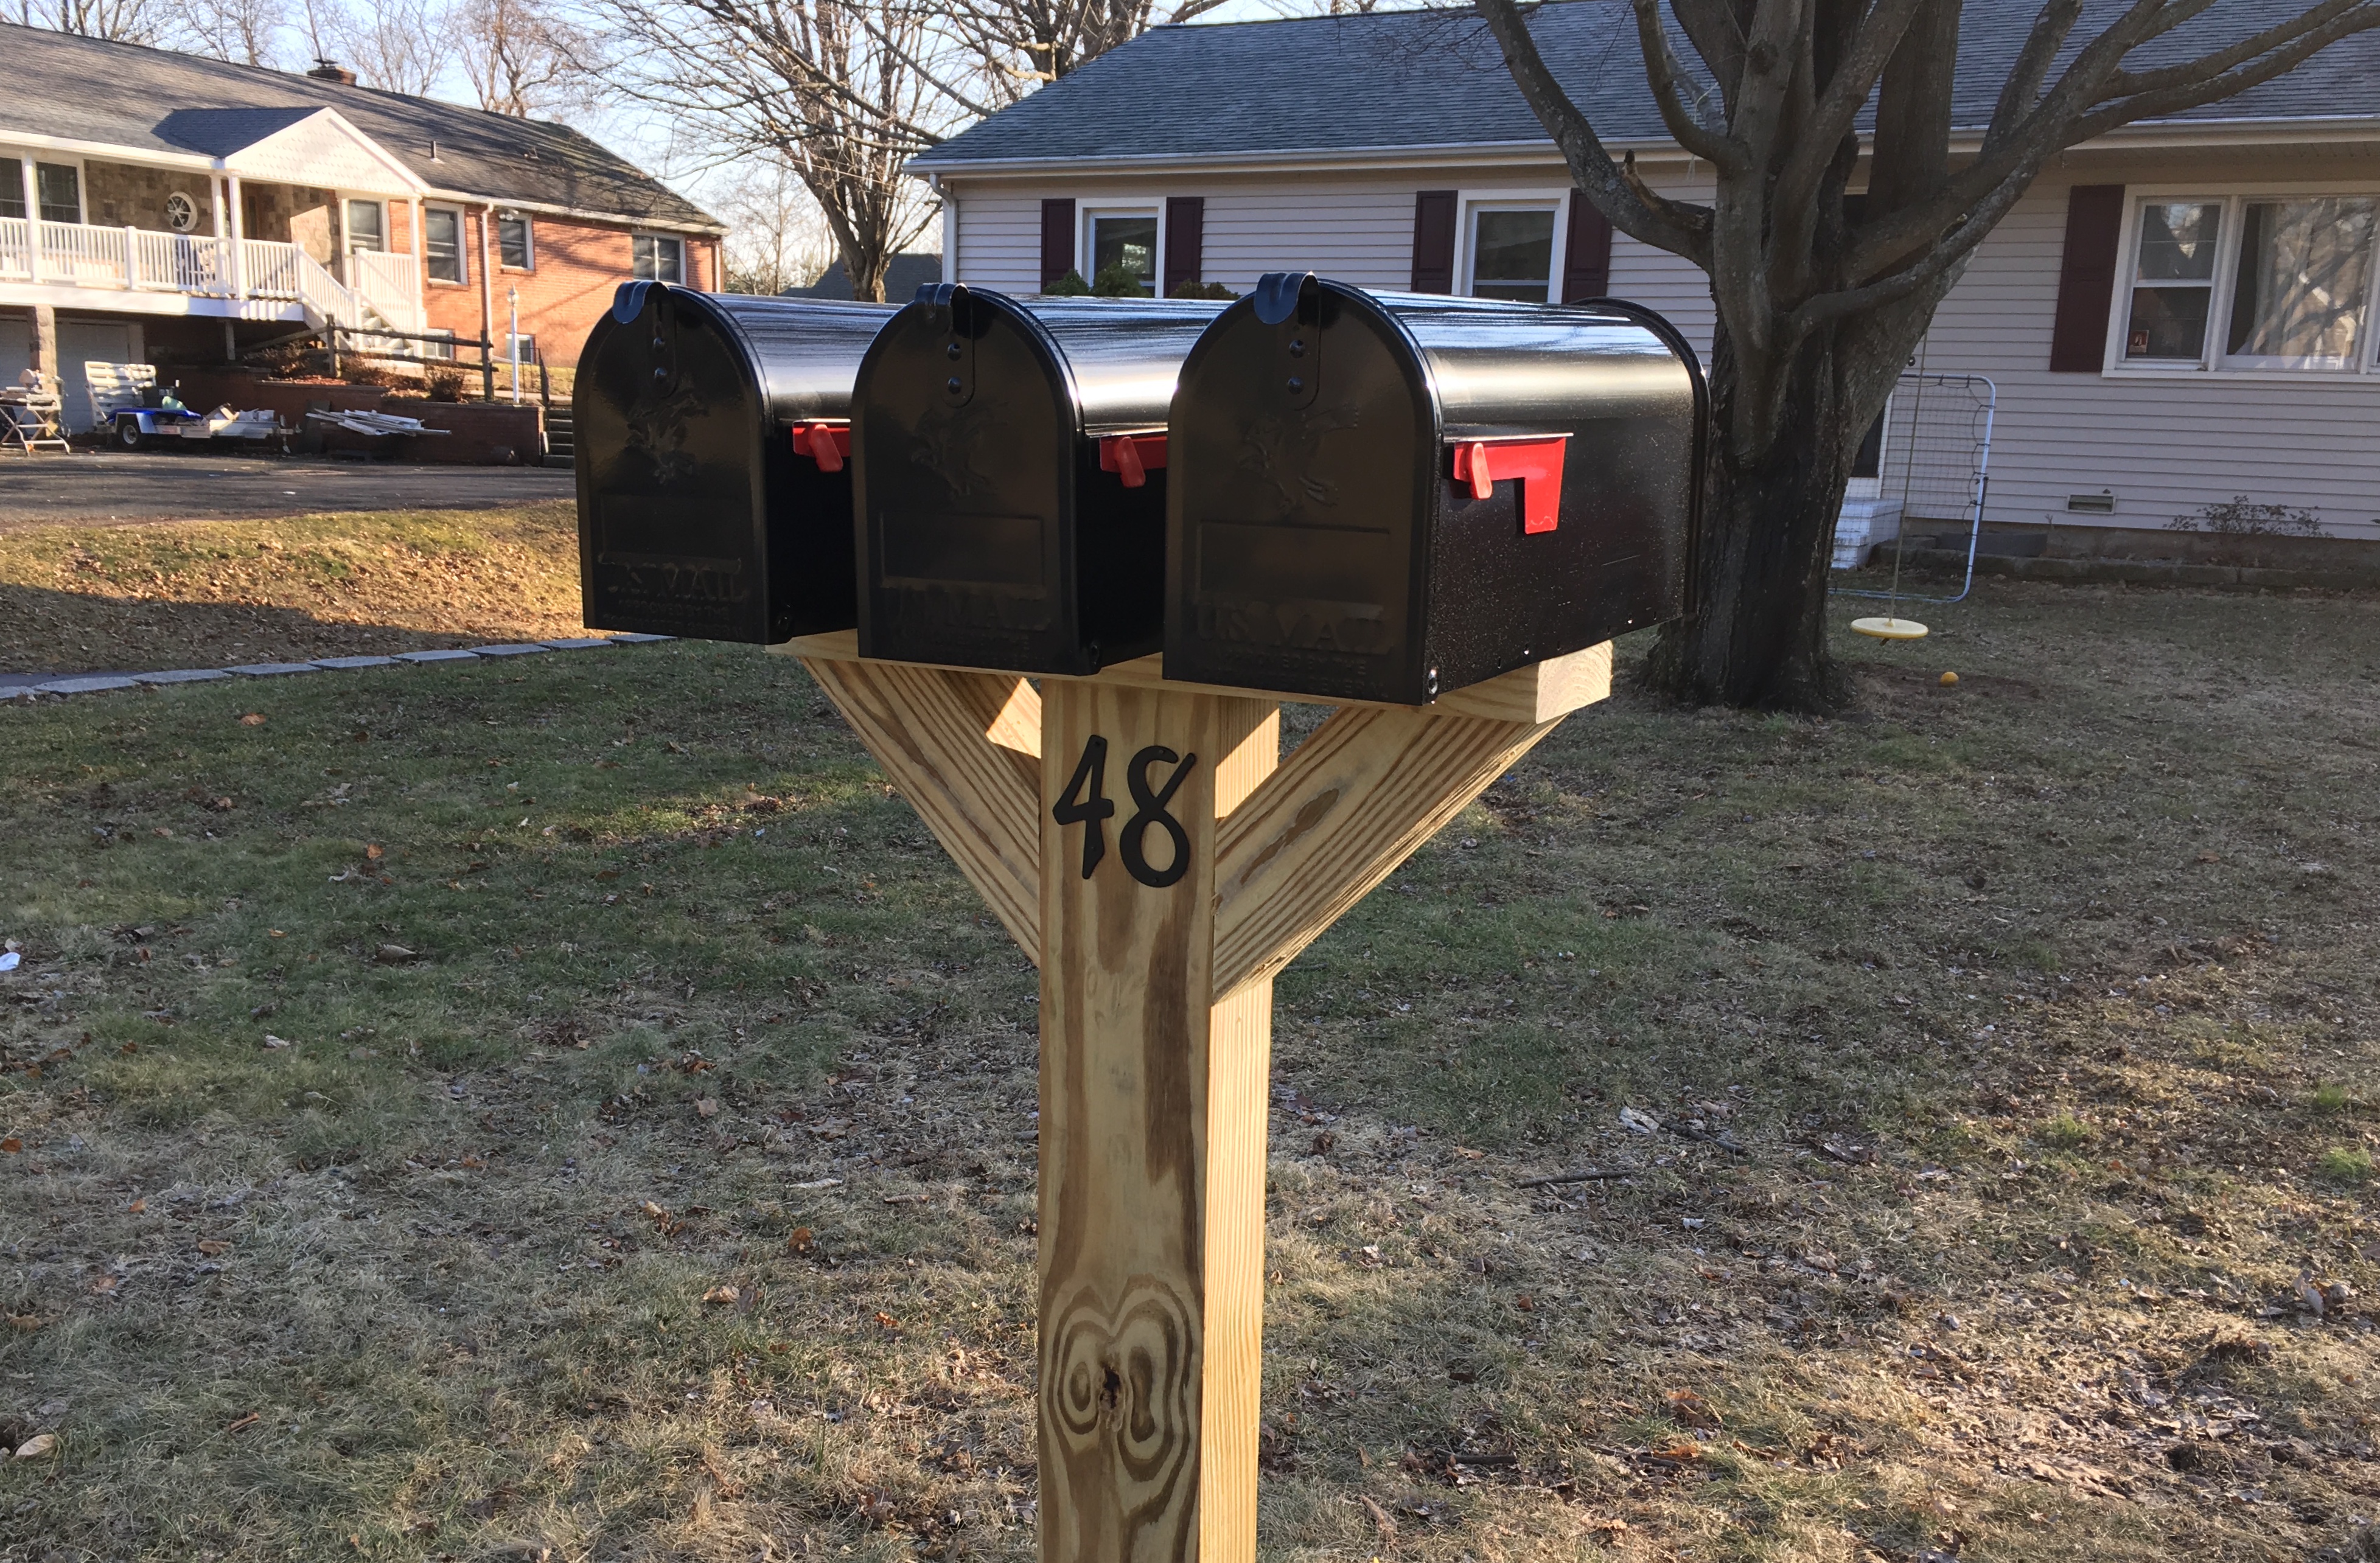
(446, 385)
(2068, 1133)
(1206, 290)
(2330, 1098)
(1071, 285)
(2240, 517)
(1117, 280)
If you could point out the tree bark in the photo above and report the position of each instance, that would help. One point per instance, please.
(1756, 634)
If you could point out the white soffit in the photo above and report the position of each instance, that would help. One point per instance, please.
(324, 151)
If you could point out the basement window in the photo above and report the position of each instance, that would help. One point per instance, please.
(2091, 505)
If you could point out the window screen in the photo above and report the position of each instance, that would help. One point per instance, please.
(2173, 280)
(60, 192)
(1512, 255)
(2305, 267)
(659, 258)
(512, 240)
(442, 244)
(366, 227)
(12, 186)
(1125, 247)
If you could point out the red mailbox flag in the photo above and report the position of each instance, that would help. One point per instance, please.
(1535, 459)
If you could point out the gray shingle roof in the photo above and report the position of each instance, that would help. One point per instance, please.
(124, 94)
(1395, 79)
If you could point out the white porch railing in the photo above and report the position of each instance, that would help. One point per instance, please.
(392, 284)
(386, 292)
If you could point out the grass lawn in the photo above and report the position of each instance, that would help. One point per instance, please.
(210, 593)
(567, 1108)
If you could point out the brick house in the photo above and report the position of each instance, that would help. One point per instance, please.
(163, 207)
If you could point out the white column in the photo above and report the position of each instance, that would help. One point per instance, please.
(238, 231)
(131, 256)
(32, 218)
(421, 278)
(221, 235)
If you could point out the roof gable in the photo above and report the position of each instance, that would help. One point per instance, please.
(153, 100)
(1392, 81)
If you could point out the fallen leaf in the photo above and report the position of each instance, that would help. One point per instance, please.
(801, 1240)
(253, 718)
(1380, 1521)
(1639, 1123)
(275, 933)
(393, 955)
(212, 1246)
(273, 1041)
(24, 1321)
(37, 1446)
(720, 1294)
(374, 851)
(12, 1145)
(103, 1285)
(1692, 1408)
(708, 1106)
(887, 1321)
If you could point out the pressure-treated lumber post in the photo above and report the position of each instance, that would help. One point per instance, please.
(1152, 1131)
(1145, 843)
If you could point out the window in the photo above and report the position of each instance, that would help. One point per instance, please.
(1512, 253)
(511, 240)
(1121, 246)
(443, 347)
(2298, 294)
(59, 190)
(520, 349)
(442, 244)
(2173, 279)
(2251, 281)
(12, 186)
(367, 225)
(659, 258)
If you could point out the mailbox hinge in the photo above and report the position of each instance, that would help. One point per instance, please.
(829, 444)
(1132, 456)
(1535, 459)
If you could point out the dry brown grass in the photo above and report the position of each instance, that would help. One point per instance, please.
(2013, 1048)
(205, 593)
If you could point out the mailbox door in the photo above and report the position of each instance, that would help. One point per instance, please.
(670, 433)
(964, 454)
(1297, 509)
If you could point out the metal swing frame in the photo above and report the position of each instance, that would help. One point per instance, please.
(1979, 483)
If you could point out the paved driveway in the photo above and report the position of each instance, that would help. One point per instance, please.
(118, 487)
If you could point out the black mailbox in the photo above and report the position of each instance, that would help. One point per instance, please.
(1010, 463)
(711, 433)
(1390, 496)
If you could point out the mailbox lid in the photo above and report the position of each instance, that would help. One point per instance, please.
(1122, 355)
(1498, 367)
(805, 352)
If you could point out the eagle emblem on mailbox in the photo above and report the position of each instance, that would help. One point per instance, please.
(657, 426)
(1282, 450)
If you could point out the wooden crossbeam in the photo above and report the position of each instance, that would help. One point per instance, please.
(964, 747)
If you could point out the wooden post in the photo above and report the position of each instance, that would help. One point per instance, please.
(1146, 844)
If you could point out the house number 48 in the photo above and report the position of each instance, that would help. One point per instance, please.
(1085, 803)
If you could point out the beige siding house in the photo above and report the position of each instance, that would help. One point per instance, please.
(2173, 316)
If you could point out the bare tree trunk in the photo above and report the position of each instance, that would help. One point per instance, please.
(1757, 635)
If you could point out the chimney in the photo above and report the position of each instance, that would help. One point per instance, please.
(331, 70)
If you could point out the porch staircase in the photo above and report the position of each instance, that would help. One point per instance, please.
(561, 447)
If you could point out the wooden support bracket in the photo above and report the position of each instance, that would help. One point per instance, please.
(1145, 843)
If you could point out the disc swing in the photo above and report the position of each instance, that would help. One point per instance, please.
(1983, 398)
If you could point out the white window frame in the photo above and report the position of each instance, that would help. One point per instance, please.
(2234, 199)
(1466, 234)
(1145, 206)
(683, 264)
(37, 155)
(528, 244)
(462, 246)
(346, 229)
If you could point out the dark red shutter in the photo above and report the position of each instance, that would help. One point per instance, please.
(1057, 241)
(2086, 279)
(1586, 255)
(1185, 242)
(1433, 265)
